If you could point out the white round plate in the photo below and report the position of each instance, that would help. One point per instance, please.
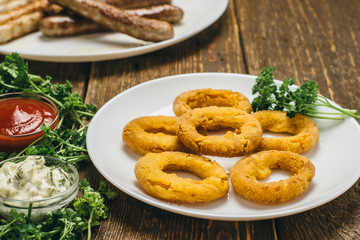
(336, 156)
(198, 15)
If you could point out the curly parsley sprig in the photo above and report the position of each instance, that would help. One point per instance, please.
(91, 205)
(68, 140)
(68, 223)
(304, 99)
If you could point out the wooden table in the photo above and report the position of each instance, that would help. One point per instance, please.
(317, 40)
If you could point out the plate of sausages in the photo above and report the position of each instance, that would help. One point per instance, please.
(96, 30)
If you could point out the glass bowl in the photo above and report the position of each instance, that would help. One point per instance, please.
(17, 142)
(40, 207)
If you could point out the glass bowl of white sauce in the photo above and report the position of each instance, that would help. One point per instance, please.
(36, 185)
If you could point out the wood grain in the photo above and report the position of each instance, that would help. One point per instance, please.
(307, 40)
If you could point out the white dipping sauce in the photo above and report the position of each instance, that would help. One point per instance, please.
(32, 180)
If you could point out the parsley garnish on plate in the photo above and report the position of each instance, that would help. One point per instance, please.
(304, 99)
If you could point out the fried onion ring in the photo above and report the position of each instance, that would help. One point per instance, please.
(152, 134)
(247, 172)
(245, 138)
(206, 97)
(150, 171)
(304, 129)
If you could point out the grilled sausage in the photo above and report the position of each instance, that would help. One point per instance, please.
(119, 20)
(53, 9)
(62, 25)
(164, 12)
(69, 25)
(135, 3)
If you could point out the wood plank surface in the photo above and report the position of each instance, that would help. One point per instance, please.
(307, 40)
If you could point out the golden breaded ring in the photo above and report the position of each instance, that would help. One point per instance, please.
(150, 171)
(199, 98)
(304, 129)
(247, 172)
(245, 138)
(152, 134)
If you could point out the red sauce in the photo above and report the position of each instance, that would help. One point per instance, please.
(21, 119)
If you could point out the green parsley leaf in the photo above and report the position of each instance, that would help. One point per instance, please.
(304, 99)
(90, 206)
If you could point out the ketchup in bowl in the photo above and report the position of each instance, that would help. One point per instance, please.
(21, 116)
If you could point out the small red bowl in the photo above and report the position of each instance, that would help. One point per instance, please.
(10, 142)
